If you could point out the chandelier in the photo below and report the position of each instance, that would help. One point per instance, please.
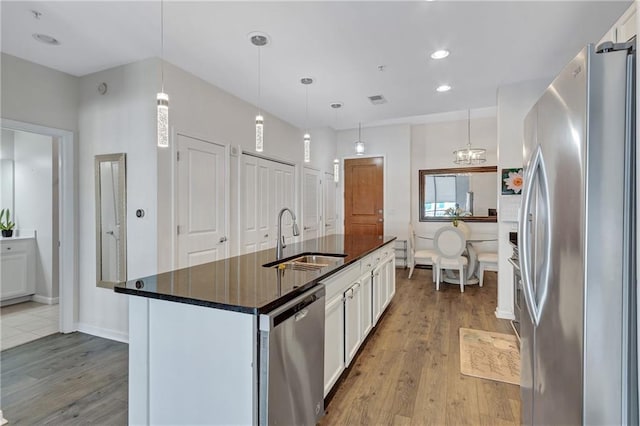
(469, 155)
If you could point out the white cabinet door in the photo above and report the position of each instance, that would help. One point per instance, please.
(202, 200)
(333, 341)
(388, 286)
(329, 190)
(367, 304)
(17, 268)
(353, 321)
(311, 206)
(377, 293)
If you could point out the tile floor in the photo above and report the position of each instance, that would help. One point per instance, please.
(24, 322)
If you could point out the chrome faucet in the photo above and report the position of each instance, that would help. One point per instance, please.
(296, 231)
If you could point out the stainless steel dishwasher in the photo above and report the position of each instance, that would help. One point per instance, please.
(291, 361)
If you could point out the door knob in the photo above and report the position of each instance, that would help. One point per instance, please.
(223, 239)
(381, 220)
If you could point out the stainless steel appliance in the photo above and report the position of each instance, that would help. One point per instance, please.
(291, 362)
(577, 244)
(518, 296)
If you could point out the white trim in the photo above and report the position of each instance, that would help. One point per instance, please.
(46, 300)
(68, 208)
(105, 333)
(504, 314)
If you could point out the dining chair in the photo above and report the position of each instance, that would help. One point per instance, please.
(487, 261)
(450, 242)
(419, 256)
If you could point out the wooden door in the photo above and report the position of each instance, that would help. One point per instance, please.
(364, 196)
(201, 202)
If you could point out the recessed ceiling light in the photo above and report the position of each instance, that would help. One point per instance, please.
(43, 38)
(258, 38)
(440, 54)
(443, 88)
(336, 105)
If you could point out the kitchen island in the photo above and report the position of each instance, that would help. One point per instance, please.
(195, 334)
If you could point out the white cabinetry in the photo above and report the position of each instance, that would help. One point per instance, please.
(624, 28)
(334, 341)
(353, 320)
(17, 268)
(355, 300)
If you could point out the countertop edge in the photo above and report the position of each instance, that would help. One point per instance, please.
(251, 310)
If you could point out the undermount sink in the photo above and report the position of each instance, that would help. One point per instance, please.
(309, 262)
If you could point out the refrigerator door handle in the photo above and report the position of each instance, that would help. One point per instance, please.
(536, 171)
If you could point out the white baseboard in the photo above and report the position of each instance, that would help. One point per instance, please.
(46, 300)
(104, 333)
(504, 314)
(3, 421)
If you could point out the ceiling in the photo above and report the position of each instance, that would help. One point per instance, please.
(339, 44)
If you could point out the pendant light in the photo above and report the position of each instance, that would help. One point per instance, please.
(307, 137)
(162, 99)
(359, 144)
(336, 163)
(469, 155)
(259, 40)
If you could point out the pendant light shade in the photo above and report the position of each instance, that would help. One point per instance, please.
(359, 144)
(336, 170)
(259, 40)
(307, 147)
(468, 155)
(162, 99)
(259, 133)
(307, 137)
(163, 120)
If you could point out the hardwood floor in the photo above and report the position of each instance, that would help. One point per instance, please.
(65, 379)
(409, 370)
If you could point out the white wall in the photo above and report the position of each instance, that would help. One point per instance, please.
(35, 94)
(200, 110)
(432, 146)
(393, 143)
(122, 120)
(6, 170)
(514, 102)
(33, 189)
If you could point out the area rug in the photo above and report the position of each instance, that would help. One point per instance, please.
(488, 355)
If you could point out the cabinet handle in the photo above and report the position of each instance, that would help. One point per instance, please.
(368, 265)
(266, 235)
(377, 274)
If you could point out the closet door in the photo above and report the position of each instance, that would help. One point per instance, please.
(265, 187)
(201, 201)
(312, 203)
(329, 190)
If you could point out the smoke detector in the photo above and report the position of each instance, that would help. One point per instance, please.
(336, 105)
(377, 99)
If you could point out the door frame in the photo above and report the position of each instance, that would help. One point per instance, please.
(174, 191)
(67, 223)
(340, 226)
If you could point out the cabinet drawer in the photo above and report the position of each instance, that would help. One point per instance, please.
(15, 246)
(340, 281)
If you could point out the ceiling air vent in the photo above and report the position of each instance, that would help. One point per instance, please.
(377, 99)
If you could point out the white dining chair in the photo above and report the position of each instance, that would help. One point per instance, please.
(487, 261)
(450, 242)
(422, 256)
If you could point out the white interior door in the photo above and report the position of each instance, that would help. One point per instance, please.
(201, 202)
(329, 188)
(312, 203)
(266, 186)
(284, 191)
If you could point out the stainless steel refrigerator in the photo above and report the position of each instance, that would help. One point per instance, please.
(577, 242)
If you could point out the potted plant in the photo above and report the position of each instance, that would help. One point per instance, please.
(5, 223)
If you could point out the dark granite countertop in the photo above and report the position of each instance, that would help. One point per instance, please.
(243, 284)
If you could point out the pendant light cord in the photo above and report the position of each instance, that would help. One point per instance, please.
(469, 129)
(306, 119)
(259, 92)
(162, 44)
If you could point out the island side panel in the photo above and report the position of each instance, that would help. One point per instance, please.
(138, 361)
(200, 365)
